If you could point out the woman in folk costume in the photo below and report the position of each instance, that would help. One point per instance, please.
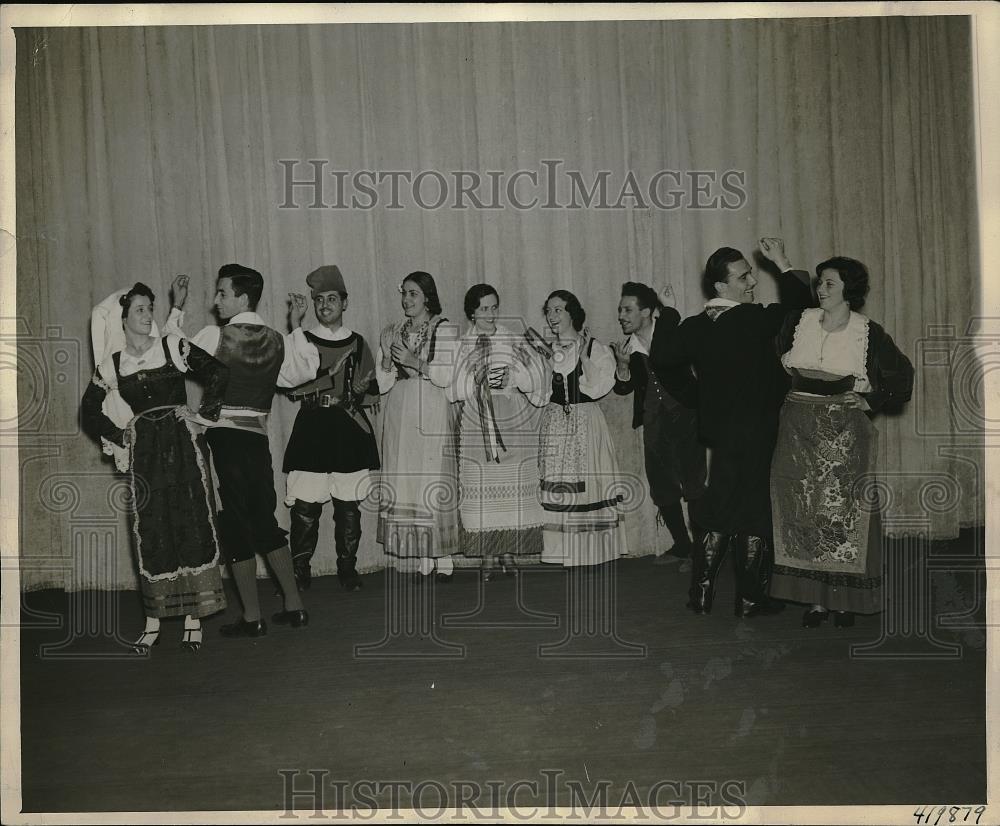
(502, 383)
(580, 488)
(135, 403)
(844, 368)
(418, 508)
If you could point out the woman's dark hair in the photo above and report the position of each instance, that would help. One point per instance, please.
(475, 294)
(137, 289)
(854, 274)
(245, 281)
(573, 306)
(717, 269)
(644, 295)
(425, 281)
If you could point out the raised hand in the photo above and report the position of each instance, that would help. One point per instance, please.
(618, 348)
(386, 338)
(774, 250)
(297, 309)
(667, 297)
(179, 289)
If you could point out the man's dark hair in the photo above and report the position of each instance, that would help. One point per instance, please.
(245, 281)
(644, 296)
(717, 269)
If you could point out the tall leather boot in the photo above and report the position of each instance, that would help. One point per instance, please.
(708, 556)
(753, 562)
(347, 535)
(303, 539)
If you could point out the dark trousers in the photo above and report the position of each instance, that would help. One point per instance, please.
(247, 524)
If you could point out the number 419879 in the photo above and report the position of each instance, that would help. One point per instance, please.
(935, 815)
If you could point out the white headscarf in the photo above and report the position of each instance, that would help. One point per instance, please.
(107, 335)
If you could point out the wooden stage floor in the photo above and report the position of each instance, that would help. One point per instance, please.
(551, 683)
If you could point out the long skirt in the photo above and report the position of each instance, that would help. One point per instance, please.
(827, 530)
(173, 524)
(581, 490)
(418, 487)
(499, 503)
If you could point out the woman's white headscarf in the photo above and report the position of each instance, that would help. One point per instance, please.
(107, 335)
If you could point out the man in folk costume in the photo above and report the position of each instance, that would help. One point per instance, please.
(253, 352)
(674, 459)
(740, 387)
(332, 449)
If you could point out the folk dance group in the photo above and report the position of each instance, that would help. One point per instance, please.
(492, 443)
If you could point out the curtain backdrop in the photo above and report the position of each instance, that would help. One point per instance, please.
(147, 152)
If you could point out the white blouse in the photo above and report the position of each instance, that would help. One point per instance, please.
(440, 370)
(597, 381)
(840, 353)
(152, 358)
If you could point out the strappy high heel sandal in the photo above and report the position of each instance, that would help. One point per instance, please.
(147, 639)
(191, 641)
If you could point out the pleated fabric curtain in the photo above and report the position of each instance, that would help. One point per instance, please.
(147, 152)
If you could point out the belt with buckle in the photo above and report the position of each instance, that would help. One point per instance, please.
(320, 400)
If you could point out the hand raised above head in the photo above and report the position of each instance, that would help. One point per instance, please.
(297, 308)
(179, 289)
(774, 250)
(667, 297)
(771, 246)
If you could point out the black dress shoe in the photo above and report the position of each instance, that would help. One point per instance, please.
(242, 628)
(746, 609)
(814, 617)
(296, 619)
(843, 619)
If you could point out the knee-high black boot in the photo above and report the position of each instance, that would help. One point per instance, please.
(709, 554)
(304, 535)
(753, 561)
(347, 534)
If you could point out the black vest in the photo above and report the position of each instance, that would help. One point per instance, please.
(253, 353)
